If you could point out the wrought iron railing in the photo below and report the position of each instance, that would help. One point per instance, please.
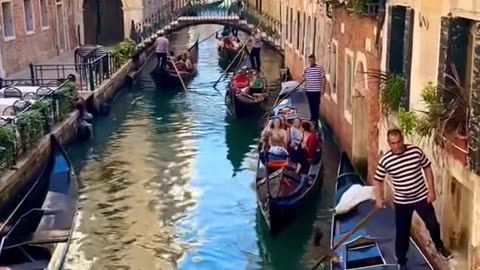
(34, 116)
(474, 132)
(91, 73)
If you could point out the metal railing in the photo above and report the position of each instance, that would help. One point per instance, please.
(89, 73)
(16, 139)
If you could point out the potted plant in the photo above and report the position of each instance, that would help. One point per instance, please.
(445, 118)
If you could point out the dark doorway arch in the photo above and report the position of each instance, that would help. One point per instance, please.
(103, 22)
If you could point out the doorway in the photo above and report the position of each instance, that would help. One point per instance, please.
(103, 22)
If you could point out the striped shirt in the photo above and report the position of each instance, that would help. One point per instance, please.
(406, 172)
(257, 40)
(314, 78)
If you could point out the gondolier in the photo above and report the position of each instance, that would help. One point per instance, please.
(256, 49)
(161, 49)
(314, 76)
(406, 164)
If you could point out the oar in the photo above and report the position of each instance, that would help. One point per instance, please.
(278, 100)
(347, 236)
(178, 74)
(208, 37)
(238, 54)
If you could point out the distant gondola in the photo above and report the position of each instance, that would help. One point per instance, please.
(37, 232)
(281, 192)
(247, 91)
(168, 77)
(373, 246)
(228, 49)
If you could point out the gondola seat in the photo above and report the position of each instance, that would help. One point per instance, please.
(240, 82)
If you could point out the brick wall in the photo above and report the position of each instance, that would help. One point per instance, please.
(38, 46)
(357, 34)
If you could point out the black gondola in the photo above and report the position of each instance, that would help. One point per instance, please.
(227, 51)
(247, 91)
(283, 196)
(37, 233)
(169, 78)
(372, 246)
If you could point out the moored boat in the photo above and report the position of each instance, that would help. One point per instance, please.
(373, 245)
(37, 232)
(282, 192)
(169, 77)
(247, 92)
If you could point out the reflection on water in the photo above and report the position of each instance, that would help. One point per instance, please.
(158, 190)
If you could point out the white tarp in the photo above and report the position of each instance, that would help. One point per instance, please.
(289, 86)
(354, 196)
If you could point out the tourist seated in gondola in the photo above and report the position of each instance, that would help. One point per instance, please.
(310, 142)
(276, 143)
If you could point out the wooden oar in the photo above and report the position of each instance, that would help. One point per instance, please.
(347, 236)
(238, 54)
(278, 100)
(178, 74)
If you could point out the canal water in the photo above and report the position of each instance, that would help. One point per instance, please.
(167, 182)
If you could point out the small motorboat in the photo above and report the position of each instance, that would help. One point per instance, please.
(373, 245)
(281, 191)
(37, 232)
(247, 92)
(169, 77)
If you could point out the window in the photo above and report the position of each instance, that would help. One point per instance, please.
(8, 28)
(291, 25)
(304, 27)
(286, 19)
(308, 38)
(28, 12)
(349, 65)
(44, 13)
(298, 30)
(333, 69)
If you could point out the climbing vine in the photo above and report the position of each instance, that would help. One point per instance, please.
(123, 52)
(31, 127)
(66, 97)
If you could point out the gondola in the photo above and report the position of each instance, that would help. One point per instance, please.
(37, 232)
(168, 77)
(227, 51)
(373, 245)
(247, 91)
(281, 192)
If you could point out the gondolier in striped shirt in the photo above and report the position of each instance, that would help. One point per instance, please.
(314, 76)
(406, 165)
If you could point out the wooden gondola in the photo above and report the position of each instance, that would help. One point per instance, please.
(37, 232)
(247, 91)
(373, 245)
(281, 192)
(168, 77)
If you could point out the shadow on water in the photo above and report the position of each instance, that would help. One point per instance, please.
(240, 135)
(158, 190)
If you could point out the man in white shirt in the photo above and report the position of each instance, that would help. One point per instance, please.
(255, 51)
(161, 49)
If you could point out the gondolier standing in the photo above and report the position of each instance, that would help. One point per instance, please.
(256, 49)
(161, 49)
(406, 164)
(314, 76)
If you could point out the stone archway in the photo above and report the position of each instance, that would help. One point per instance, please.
(360, 116)
(103, 21)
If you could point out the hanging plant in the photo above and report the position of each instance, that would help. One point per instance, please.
(8, 141)
(407, 121)
(447, 109)
(392, 90)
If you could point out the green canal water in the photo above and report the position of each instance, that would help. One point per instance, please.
(167, 182)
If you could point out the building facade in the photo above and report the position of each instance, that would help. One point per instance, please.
(34, 31)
